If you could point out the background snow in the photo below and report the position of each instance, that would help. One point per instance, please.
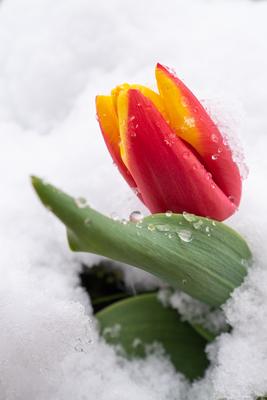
(54, 57)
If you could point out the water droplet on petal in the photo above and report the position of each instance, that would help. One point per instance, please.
(185, 235)
(232, 199)
(214, 157)
(167, 142)
(136, 216)
(208, 176)
(189, 121)
(186, 155)
(136, 191)
(214, 138)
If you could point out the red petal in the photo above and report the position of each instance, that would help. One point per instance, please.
(168, 175)
(204, 137)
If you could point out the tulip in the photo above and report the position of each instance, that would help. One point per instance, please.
(168, 148)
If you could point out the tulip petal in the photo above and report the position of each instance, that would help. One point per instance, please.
(108, 122)
(149, 93)
(190, 121)
(167, 173)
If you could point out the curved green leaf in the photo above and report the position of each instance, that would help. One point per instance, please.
(142, 320)
(201, 257)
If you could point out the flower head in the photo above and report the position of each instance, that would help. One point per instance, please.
(168, 148)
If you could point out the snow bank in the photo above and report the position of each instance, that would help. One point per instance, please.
(54, 57)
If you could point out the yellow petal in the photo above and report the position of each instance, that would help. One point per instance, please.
(122, 107)
(108, 120)
(179, 116)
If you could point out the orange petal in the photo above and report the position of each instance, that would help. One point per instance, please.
(108, 122)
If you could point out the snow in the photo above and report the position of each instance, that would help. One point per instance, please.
(55, 56)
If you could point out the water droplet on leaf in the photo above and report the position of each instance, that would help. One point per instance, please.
(163, 228)
(189, 217)
(185, 235)
(81, 202)
(136, 216)
(197, 225)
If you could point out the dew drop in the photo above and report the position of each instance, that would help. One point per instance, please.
(214, 157)
(244, 262)
(232, 199)
(124, 221)
(184, 281)
(214, 138)
(81, 202)
(136, 191)
(197, 225)
(151, 227)
(208, 176)
(189, 121)
(185, 235)
(163, 228)
(189, 217)
(186, 154)
(87, 221)
(167, 142)
(168, 213)
(114, 216)
(136, 216)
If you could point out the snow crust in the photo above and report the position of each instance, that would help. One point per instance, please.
(55, 56)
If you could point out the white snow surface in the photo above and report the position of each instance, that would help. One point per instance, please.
(55, 56)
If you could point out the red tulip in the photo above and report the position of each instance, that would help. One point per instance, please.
(168, 148)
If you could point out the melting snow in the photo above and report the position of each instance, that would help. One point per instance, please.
(54, 58)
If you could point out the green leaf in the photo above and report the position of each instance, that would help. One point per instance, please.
(142, 320)
(201, 257)
(202, 331)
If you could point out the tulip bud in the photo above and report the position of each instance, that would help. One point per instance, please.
(168, 148)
